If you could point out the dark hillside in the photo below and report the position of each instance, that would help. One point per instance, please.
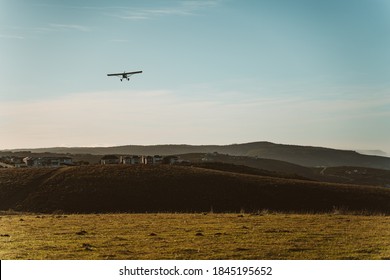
(355, 175)
(276, 168)
(243, 169)
(271, 165)
(119, 188)
(17, 184)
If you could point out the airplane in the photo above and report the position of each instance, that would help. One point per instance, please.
(125, 75)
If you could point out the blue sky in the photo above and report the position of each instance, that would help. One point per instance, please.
(215, 72)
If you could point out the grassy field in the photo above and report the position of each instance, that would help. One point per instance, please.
(194, 236)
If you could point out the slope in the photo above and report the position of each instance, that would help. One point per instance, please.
(118, 188)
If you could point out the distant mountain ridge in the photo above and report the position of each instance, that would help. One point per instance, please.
(302, 155)
(373, 153)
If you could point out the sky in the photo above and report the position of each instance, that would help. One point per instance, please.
(304, 72)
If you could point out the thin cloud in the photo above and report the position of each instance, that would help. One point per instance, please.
(143, 14)
(42, 29)
(70, 27)
(183, 8)
(198, 4)
(16, 37)
(119, 40)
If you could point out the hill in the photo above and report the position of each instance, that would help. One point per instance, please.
(300, 155)
(120, 188)
(373, 152)
(354, 175)
(284, 169)
(276, 168)
(256, 166)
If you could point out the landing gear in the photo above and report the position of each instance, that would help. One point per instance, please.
(121, 80)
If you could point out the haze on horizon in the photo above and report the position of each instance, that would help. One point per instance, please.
(214, 72)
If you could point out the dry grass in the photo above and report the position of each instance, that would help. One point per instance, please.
(194, 236)
(120, 188)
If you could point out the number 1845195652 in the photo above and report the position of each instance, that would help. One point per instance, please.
(237, 270)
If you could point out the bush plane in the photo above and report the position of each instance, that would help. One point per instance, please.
(125, 75)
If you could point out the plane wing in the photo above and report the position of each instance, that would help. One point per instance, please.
(135, 72)
(125, 73)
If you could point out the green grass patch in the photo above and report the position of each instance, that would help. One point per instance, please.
(194, 236)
